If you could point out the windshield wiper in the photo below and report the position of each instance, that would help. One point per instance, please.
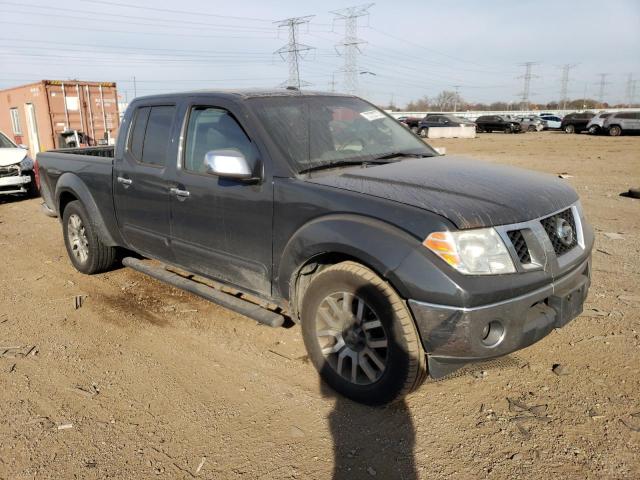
(345, 163)
(390, 155)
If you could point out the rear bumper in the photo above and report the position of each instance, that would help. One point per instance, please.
(453, 336)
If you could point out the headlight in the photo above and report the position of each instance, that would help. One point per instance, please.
(26, 164)
(472, 252)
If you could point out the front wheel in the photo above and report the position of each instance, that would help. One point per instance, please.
(424, 132)
(360, 335)
(414, 129)
(615, 131)
(593, 129)
(85, 249)
(570, 129)
(532, 128)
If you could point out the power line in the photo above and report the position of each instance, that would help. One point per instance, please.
(157, 22)
(526, 89)
(181, 11)
(564, 83)
(294, 49)
(351, 43)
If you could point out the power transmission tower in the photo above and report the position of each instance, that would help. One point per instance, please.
(634, 85)
(351, 43)
(564, 84)
(526, 89)
(294, 50)
(332, 83)
(630, 90)
(603, 82)
(455, 99)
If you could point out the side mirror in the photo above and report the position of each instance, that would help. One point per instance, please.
(228, 163)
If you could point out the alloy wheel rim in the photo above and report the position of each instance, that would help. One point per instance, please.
(352, 338)
(78, 240)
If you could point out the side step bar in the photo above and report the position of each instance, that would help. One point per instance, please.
(248, 309)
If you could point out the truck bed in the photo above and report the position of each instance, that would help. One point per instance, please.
(106, 151)
(91, 168)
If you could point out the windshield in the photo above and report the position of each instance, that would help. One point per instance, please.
(325, 130)
(5, 142)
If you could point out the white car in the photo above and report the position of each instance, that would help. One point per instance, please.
(17, 173)
(553, 121)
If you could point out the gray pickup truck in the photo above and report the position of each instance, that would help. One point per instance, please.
(321, 209)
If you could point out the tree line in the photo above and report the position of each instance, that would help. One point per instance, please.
(448, 101)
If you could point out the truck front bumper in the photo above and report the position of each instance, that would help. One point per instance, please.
(453, 336)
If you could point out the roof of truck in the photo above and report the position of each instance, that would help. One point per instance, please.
(248, 93)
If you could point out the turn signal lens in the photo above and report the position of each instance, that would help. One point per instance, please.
(472, 252)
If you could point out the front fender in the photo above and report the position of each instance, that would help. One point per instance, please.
(377, 244)
(71, 183)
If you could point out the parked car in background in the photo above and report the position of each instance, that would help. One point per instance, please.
(491, 123)
(410, 122)
(622, 122)
(553, 121)
(17, 170)
(434, 120)
(531, 123)
(576, 122)
(595, 124)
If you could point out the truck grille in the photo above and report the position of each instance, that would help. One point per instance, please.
(520, 246)
(552, 226)
(10, 171)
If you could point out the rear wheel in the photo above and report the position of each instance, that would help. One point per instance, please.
(360, 335)
(615, 131)
(508, 130)
(570, 129)
(86, 251)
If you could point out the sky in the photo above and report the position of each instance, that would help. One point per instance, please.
(410, 48)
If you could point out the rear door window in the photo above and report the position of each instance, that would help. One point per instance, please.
(158, 136)
(136, 139)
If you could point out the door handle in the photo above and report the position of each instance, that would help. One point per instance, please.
(125, 181)
(179, 193)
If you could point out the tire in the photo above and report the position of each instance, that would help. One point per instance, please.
(86, 251)
(594, 129)
(424, 132)
(414, 129)
(395, 366)
(570, 129)
(532, 128)
(615, 130)
(508, 130)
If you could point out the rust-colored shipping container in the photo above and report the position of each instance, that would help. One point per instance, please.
(58, 114)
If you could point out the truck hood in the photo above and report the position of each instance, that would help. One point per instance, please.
(11, 156)
(470, 193)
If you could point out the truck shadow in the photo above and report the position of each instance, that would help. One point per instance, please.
(371, 442)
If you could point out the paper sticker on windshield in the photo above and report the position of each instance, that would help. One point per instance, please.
(372, 115)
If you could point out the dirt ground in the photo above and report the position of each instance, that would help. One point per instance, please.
(145, 381)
